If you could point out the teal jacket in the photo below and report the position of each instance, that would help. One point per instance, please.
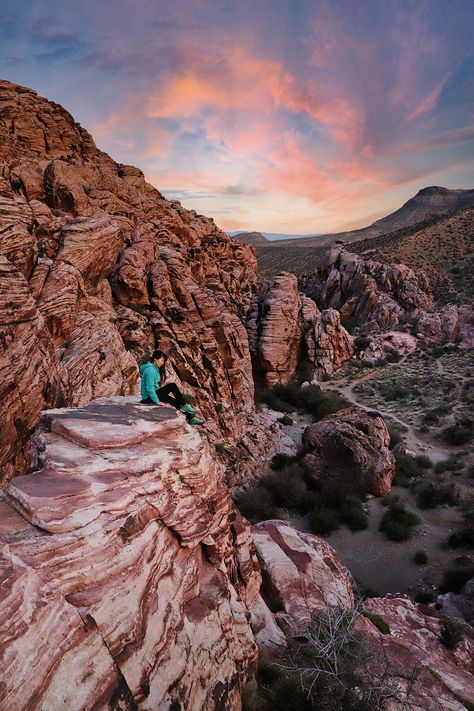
(151, 377)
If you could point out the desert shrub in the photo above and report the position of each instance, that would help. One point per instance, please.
(378, 621)
(451, 632)
(219, 407)
(323, 520)
(281, 460)
(398, 522)
(423, 461)
(430, 418)
(286, 420)
(425, 597)
(429, 494)
(464, 537)
(361, 343)
(256, 504)
(451, 464)
(268, 397)
(328, 666)
(461, 432)
(286, 487)
(219, 447)
(312, 398)
(354, 514)
(406, 469)
(396, 436)
(454, 579)
(420, 558)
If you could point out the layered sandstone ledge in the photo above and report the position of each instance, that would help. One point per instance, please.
(127, 576)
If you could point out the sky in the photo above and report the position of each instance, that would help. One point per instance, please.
(296, 116)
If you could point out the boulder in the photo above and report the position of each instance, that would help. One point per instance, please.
(128, 578)
(350, 448)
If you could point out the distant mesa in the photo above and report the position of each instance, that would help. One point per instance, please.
(251, 237)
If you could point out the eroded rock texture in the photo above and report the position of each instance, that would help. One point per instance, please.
(350, 447)
(96, 267)
(302, 573)
(286, 329)
(366, 291)
(127, 577)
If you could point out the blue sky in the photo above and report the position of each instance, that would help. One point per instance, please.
(276, 115)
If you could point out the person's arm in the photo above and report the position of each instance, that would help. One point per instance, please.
(150, 387)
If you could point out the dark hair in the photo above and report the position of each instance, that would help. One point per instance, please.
(156, 355)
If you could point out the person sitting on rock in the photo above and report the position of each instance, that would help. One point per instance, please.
(152, 374)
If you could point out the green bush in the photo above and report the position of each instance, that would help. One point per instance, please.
(461, 432)
(378, 621)
(454, 579)
(451, 632)
(451, 464)
(268, 397)
(420, 558)
(407, 469)
(396, 436)
(323, 520)
(424, 597)
(281, 460)
(423, 461)
(398, 522)
(256, 504)
(328, 667)
(286, 420)
(354, 514)
(463, 537)
(312, 398)
(286, 487)
(430, 494)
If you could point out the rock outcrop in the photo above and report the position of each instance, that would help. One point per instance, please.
(350, 447)
(286, 329)
(302, 573)
(451, 323)
(96, 268)
(127, 576)
(366, 291)
(386, 344)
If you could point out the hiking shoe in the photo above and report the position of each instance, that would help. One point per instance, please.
(188, 409)
(196, 421)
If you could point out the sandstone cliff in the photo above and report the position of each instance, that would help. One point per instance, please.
(95, 267)
(127, 576)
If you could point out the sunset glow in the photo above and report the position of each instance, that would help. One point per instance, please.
(270, 115)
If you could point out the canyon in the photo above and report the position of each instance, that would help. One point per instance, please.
(129, 578)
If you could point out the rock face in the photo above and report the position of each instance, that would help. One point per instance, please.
(442, 679)
(449, 323)
(286, 329)
(302, 573)
(350, 447)
(96, 267)
(127, 577)
(388, 343)
(366, 291)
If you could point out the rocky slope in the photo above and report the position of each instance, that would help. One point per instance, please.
(96, 267)
(127, 577)
(366, 291)
(443, 249)
(286, 329)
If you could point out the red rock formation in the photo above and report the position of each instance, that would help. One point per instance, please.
(96, 266)
(127, 577)
(350, 447)
(442, 679)
(366, 291)
(388, 343)
(302, 573)
(286, 328)
(452, 322)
